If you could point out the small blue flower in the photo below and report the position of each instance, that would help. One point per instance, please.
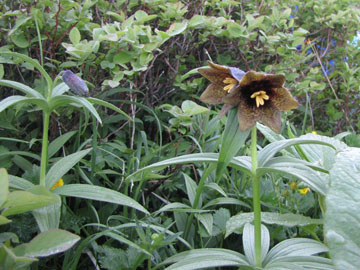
(318, 46)
(297, 8)
(308, 51)
(291, 16)
(298, 47)
(333, 41)
(332, 62)
(75, 83)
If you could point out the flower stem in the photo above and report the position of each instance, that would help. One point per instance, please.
(256, 198)
(44, 150)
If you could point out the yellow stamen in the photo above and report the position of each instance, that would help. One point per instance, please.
(230, 84)
(260, 96)
(303, 191)
(59, 183)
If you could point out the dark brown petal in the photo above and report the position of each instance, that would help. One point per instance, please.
(251, 76)
(213, 94)
(213, 75)
(219, 68)
(225, 109)
(277, 80)
(247, 115)
(233, 97)
(271, 117)
(283, 100)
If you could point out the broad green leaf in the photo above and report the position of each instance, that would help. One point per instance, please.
(232, 140)
(270, 150)
(206, 219)
(24, 201)
(33, 62)
(63, 100)
(19, 22)
(99, 194)
(241, 163)
(59, 142)
(4, 186)
(238, 221)
(177, 28)
(48, 217)
(172, 206)
(19, 183)
(4, 220)
(216, 187)
(190, 108)
(62, 166)
(75, 36)
(305, 262)
(295, 247)
(108, 105)
(248, 239)
(224, 200)
(320, 154)
(12, 100)
(59, 89)
(14, 261)
(191, 189)
(341, 222)
(205, 258)
(21, 87)
(50, 242)
(1, 71)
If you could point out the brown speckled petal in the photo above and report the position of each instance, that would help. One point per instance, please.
(283, 100)
(220, 68)
(271, 117)
(225, 109)
(213, 94)
(251, 76)
(213, 75)
(277, 80)
(247, 115)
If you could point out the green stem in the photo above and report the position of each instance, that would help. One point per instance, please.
(44, 150)
(256, 198)
(93, 145)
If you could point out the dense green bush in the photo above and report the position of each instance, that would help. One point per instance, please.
(142, 56)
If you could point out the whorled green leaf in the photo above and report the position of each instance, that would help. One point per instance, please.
(48, 217)
(232, 140)
(238, 221)
(99, 194)
(341, 221)
(63, 100)
(241, 163)
(108, 105)
(225, 200)
(4, 220)
(249, 242)
(62, 166)
(12, 100)
(59, 89)
(50, 242)
(19, 183)
(205, 258)
(295, 247)
(22, 87)
(4, 186)
(59, 142)
(271, 149)
(23, 201)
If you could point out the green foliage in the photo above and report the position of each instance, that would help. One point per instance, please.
(152, 178)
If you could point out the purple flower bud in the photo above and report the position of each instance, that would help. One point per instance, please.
(76, 84)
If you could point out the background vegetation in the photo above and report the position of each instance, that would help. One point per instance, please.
(142, 56)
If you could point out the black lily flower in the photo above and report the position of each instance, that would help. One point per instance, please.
(258, 96)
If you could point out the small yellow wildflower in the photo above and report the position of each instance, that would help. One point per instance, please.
(230, 83)
(59, 183)
(303, 191)
(314, 132)
(293, 185)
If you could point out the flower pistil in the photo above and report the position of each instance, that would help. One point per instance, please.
(230, 83)
(260, 96)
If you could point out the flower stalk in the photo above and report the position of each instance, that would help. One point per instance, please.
(256, 198)
(44, 150)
